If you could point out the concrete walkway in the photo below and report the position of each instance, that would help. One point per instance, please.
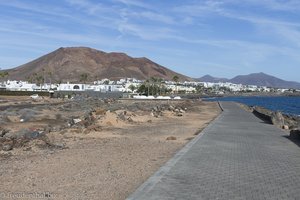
(238, 156)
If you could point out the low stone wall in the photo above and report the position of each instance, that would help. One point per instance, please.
(263, 114)
(85, 94)
(284, 121)
(23, 93)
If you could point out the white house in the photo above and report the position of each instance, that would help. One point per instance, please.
(70, 87)
(20, 86)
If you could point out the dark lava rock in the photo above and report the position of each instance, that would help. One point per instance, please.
(23, 133)
(7, 147)
(3, 132)
(27, 114)
(295, 134)
(32, 134)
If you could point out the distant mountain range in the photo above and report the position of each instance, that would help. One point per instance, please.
(83, 64)
(211, 79)
(259, 79)
(74, 64)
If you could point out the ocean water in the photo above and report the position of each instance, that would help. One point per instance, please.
(288, 105)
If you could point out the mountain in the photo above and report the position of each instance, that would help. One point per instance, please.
(259, 79)
(209, 78)
(262, 79)
(81, 63)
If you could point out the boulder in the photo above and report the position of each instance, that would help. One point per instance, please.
(286, 127)
(295, 134)
(32, 134)
(277, 119)
(3, 132)
(23, 133)
(7, 147)
(76, 120)
(129, 119)
(122, 117)
(171, 138)
(181, 111)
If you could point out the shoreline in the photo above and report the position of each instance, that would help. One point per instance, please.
(275, 103)
(288, 122)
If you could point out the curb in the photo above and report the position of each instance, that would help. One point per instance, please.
(149, 184)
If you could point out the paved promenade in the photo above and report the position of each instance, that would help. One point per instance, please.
(238, 156)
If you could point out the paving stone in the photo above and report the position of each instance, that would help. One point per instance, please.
(238, 157)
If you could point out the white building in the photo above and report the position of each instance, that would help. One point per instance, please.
(87, 87)
(20, 86)
(70, 87)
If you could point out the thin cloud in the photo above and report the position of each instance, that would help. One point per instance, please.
(152, 16)
(36, 8)
(146, 33)
(90, 7)
(135, 3)
(275, 5)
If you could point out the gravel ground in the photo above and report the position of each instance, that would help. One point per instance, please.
(108, 159)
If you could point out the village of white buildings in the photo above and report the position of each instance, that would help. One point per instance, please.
(131, 85)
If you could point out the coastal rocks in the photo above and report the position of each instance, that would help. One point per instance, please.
(279, 119)
(286, 127)
(295, 134)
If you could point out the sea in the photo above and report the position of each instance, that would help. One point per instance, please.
(287, 105)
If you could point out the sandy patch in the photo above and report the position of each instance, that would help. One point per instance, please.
(107, 160)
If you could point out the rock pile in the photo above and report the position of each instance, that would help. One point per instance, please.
(10, 140)
(157, 111)
(125, 116)
(284, 121)
(38, 122)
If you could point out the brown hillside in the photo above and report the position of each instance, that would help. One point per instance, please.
(68, 64)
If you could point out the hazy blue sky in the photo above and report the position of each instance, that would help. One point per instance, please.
(195, 37)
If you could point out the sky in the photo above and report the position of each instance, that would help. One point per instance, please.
(223, 38)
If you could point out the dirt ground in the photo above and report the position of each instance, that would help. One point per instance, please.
(125, 143)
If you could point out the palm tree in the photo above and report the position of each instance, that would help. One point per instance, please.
(4, 74)
(106, 82)
(43, 74)
(39, 80)
(160, 80)
(176, 79)
(83, 77)
(148, 85)
(153, 81)
(132, 88)
(50, 76)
